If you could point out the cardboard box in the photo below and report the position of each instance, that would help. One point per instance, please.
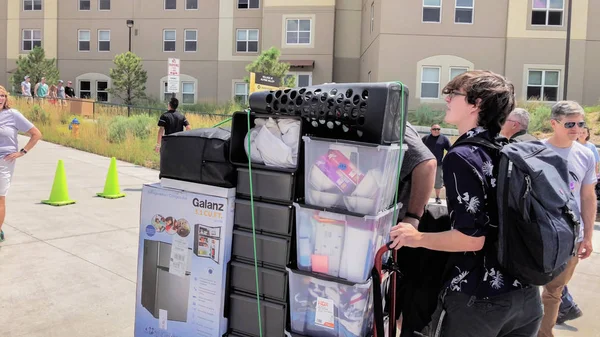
(185, 245)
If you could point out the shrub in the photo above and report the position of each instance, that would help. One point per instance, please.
(425, 115)
(38, 115)
(138, 126)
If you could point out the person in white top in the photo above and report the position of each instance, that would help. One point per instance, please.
(568, 119)
(26, 89)
(11, 123)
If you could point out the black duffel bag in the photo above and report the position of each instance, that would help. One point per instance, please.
(198, 156)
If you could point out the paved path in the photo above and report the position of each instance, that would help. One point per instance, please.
(71, 271)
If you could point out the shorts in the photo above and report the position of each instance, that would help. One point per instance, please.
(6, 171)
(439, 179)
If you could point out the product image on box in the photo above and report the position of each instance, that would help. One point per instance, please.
(350, 175)
(170, 225)
(340, 245)
(164, 293)
(207, 242)
(322, 307)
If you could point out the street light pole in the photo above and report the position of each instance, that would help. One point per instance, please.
(129, 25)
(567, 50)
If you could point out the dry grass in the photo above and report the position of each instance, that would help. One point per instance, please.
(94, 136)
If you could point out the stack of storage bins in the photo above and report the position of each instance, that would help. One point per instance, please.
(274, 191)
(349, 194)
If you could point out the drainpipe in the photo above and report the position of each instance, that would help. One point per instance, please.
(567, 49)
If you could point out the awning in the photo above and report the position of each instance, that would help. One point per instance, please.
(300, 63)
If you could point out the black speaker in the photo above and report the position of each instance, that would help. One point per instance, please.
(365, 112)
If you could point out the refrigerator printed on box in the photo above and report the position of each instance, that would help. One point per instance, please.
(185, 245)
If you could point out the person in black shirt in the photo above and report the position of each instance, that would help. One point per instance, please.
(480, 298)
(437, 143)
(170, 122)
(69, 91)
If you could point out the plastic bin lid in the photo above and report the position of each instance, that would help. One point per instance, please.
(392, 146)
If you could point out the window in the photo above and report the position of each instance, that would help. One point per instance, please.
(455, 71)
(246, 4)
(432, 10)
(463, 13)
(85, 5)
(85, 89)
(104, 40)
(240, 94)
(298, 31)
(543, 85)
(191, 40)
(169, 39)
(32, 5)
(84, 40)
(302, 79)
(102, 91)
(167, 95)
(170, 4)
(104, 5)
(247, 41)
(191, 4)
(547, 12)
(31, 38)
(372, 16)
(188, 91)
(430, 82)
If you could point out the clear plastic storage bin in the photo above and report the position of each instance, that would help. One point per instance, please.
(358, 177)
(340, 245)
(322, 307)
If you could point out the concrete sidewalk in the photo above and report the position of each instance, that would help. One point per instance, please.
(71, 271)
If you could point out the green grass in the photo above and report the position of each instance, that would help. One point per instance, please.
(131, 139)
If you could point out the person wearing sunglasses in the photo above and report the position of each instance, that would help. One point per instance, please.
(516, 125)
(568, 119)
(437, 144)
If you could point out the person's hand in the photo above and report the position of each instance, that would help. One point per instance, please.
(157, 148)
(405, 235)
(585, 249)
(11, 157)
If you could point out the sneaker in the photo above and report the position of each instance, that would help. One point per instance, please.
(438, 200)
(1, 235)
(572, 314)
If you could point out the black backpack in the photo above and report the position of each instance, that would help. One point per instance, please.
(538, 216)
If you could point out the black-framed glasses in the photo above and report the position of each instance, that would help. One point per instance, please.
(435, 129)
(570, 125)
(452, 93)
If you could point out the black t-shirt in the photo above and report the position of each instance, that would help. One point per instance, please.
(437, 145)
(172, 121)
(69, 91)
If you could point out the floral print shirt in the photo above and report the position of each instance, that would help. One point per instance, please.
(471, 197)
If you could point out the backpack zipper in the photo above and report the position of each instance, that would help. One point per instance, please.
(525, 193)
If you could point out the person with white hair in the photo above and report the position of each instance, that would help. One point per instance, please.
(516, 125)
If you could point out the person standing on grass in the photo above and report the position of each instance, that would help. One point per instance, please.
(26, 89)
(11, 122)
(437, 144)
(41, 89)
(170, 122)
(584, 139)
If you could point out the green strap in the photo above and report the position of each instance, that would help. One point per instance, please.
(253, 225)
(222, 122)
(401, 154)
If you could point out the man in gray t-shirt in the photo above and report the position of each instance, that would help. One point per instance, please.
(567, 119)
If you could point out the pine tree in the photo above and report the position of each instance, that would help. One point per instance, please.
(128, 78)
(268, 64)
(35, 65)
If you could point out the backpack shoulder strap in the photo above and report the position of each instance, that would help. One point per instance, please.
(479, 141)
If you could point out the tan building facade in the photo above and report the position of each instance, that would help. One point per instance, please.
(423, 43)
